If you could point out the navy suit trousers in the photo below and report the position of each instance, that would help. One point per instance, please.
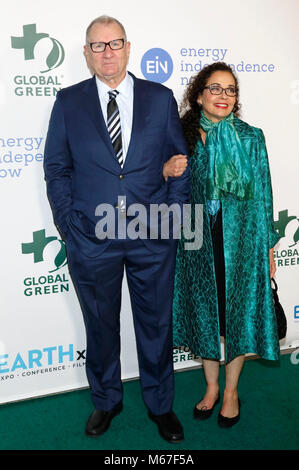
(98, 281)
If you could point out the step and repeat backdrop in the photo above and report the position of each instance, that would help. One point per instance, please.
(42, 337)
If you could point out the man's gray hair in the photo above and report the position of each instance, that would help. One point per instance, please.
(104, 19)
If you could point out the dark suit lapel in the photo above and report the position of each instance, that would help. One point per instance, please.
(140, 111)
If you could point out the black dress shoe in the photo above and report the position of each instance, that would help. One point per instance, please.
(203, 413)
(99, 421)
(169, 426)
(225, 422)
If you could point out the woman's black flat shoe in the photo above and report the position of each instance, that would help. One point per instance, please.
(203, 413)
(225, 422)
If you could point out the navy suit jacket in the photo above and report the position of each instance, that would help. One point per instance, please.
(81, 169)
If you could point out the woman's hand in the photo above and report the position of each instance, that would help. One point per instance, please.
(175, 166)
(272, 263)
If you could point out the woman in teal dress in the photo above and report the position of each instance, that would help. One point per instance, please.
(224, 288)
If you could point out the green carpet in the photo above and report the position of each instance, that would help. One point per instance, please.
(269, 393)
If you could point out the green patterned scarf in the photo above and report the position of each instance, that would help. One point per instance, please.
(229, 168)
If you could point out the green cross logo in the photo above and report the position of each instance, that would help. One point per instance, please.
(28, 41)
(281, 224)
(37, 246)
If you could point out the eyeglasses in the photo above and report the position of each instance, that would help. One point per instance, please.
(114, 45)
(218, 90)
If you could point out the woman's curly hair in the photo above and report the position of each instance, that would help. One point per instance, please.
(190, 109)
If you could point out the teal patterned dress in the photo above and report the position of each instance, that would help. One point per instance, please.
(248, 234)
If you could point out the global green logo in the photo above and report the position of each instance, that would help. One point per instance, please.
(38, 245)
(47, 283)
(287, 227)
(28, 41)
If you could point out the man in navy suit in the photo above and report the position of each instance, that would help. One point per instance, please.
(83, 170)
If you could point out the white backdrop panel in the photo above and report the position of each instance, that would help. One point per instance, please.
(42, 339)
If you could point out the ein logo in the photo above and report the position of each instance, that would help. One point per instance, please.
(157, 65)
